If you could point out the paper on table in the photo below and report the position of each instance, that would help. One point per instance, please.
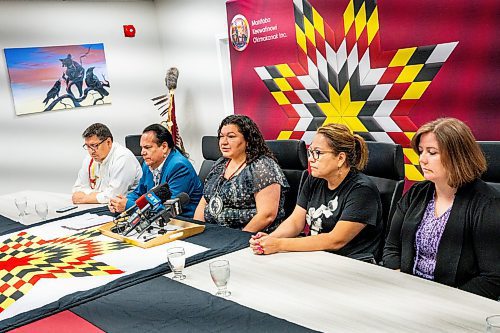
(64, 227)
(85, 221)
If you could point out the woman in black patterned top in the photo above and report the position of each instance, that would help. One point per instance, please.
(245, 188)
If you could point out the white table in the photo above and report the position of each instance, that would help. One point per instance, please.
(328, 292)
(54, 201)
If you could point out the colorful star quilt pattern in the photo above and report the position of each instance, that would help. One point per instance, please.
(26, 259)
(343, 76)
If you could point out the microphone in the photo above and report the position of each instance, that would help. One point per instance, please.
(155, 199)
(177, 203)
(163, 189)
(160, 192)
(139, 204)
(152, 200)
(125, 213)
(172, 208)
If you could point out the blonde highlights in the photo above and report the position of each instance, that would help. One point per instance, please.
(342, 140)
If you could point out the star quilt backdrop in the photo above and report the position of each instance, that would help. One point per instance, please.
(382, 68)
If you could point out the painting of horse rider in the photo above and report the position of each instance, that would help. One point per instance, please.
(57, 77)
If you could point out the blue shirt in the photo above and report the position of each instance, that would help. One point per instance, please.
(180, 176)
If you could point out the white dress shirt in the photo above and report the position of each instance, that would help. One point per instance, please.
(119, 173)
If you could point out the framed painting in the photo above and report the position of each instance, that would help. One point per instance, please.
(57, 77)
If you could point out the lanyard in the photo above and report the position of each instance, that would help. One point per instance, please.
(92, 176)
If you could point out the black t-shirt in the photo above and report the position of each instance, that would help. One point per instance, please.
(356, 199)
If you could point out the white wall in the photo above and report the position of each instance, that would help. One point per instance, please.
(189, 33)
(43, 151)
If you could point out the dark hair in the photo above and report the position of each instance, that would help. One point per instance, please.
(163, 135)
(100, 130)
(460, 153)
(256, 145)
(341, 140)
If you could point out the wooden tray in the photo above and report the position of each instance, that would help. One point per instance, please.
(188, 229)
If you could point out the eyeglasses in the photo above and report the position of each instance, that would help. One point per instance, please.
(94, 146)
(315, 153)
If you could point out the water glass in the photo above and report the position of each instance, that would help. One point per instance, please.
(220, 272)
(42, 209)
(176, 260)
(493, 324)
(21, 204)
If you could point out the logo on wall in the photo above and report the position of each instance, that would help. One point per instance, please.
(239, 31)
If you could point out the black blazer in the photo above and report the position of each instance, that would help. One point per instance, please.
(469, 251)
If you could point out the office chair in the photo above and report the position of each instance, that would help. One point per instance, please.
(211, 153)
(292, 158)
(132, 142)
(491, 151)
(386, 169)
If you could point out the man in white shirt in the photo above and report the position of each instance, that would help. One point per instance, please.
(109, 170)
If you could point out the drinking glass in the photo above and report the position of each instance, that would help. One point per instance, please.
(219, 270)
(493, 324)
(42, 209)
(176, 260)
(21, 204)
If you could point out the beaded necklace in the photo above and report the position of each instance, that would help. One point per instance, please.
(216, 204)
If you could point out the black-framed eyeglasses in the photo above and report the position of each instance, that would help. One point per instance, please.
(93, 147)
(316, 153)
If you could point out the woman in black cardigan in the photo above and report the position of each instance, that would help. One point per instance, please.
(447, 228)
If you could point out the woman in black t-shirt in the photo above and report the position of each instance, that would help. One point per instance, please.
(339, 208)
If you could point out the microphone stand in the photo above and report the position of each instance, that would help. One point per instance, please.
(120, 225)
(162, 217)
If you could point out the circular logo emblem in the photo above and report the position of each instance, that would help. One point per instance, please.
(239, 32)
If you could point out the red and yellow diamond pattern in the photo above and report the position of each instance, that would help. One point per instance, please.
(26, 259)
(343, 76)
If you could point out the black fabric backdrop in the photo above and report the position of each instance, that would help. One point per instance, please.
(147, 301)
